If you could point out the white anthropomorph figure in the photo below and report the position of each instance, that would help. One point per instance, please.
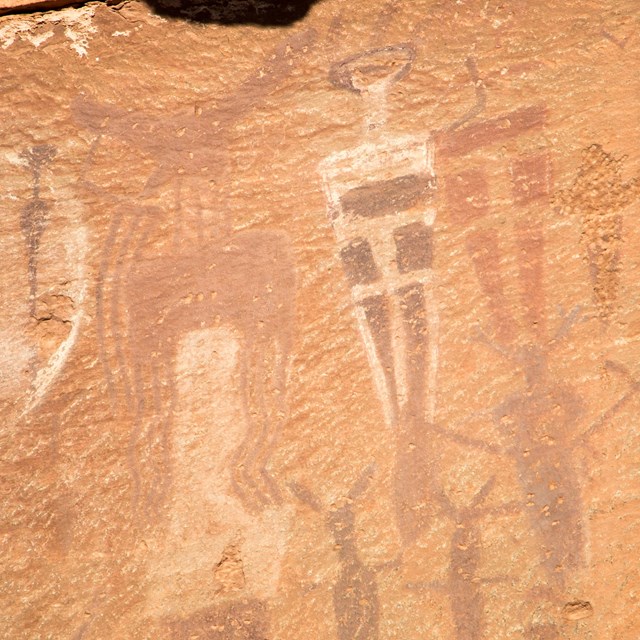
(381, 202)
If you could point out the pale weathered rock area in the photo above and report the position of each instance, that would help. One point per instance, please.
(325, 330)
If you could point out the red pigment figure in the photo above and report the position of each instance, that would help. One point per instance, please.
(544, 417)
(247, 284)
(151, 293)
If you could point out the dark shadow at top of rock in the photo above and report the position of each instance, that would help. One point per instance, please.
(257, 12)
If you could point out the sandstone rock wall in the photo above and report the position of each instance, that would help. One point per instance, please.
(321, 330)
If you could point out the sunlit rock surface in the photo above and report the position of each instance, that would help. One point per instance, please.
(326, 328)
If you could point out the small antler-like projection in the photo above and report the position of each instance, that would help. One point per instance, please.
(355, 593)
(617, 406)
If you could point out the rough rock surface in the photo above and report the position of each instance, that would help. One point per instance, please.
(321, 330)
(16, 6)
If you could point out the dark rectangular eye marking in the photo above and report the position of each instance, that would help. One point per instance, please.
(414, 247)
(358, 262)
(387, 197)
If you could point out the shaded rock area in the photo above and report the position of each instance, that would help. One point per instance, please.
(259, 12)
(320, 320)
(17, 6)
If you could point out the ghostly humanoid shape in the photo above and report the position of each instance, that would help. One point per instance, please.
(381, 202)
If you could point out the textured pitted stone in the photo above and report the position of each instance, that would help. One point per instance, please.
(321, 330)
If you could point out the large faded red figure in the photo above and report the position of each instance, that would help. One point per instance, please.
(151, 292)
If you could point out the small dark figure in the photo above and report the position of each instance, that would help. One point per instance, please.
(34, 216)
